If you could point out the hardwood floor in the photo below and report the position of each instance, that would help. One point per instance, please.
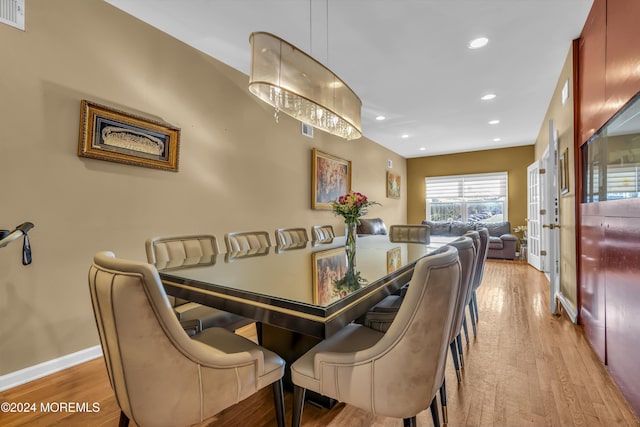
(525, 368)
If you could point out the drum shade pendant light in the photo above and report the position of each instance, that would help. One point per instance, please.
(293, 82)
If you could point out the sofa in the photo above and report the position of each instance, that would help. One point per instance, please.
(502, 244)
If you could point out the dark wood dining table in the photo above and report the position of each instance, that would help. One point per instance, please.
(302, 293)
(298, 288)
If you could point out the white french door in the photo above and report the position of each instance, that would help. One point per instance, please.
(550, 219)
(533, 212)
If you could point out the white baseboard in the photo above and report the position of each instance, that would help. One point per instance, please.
(43, 369)
(567, 307)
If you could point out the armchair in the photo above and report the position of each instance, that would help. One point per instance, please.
(322, 233)
(502, 243)
(372, 226)
(409, 233)
(161, 376)
(183, 251)
(246, 241)
(395, 373)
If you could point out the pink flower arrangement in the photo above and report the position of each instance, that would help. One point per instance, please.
(352, 206)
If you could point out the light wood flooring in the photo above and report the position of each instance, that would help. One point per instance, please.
(525, 368)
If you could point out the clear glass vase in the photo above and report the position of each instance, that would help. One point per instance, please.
(350, 243)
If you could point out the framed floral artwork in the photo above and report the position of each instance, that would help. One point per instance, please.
(330, 179)
(116, 136)
(393, 185)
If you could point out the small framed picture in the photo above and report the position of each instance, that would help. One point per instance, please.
(563, 171)
(393, 185)
(116, 136)
(394, 259)
(331, 178)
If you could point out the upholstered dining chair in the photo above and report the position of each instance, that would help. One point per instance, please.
(475, 238)
(290, 236)
(246, 241)
(171, 252)
(161, 376)
(409, 233)
(396, 373)
(391, 303)
(381, 316)
(477, 280)
(322, 233)
(467, 255)
(372, 226)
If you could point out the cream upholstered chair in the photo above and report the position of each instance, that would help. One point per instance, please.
(409, 233)
(161, 376)
(396, 373)
(291, 236)
(382, 316)
(184, 251)
(322, 233)
(246, 241)
(475, 238)
(467, 255)
(477, 279)
(391, 303)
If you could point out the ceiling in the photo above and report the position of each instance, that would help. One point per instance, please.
(407, 60)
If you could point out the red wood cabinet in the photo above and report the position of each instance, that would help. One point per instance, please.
(610, 289)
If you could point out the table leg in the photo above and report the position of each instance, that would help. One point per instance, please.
(291, 346)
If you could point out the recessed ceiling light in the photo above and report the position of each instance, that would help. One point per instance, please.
(494, 122)
(497, 139)
(422, 148)
(380, 118)
(488, 96)
(404, 136)
(478, 43)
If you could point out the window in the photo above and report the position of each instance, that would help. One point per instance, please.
(467, 198)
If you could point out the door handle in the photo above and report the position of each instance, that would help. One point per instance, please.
(550, 226)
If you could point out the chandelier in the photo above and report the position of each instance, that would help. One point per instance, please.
(293, 82)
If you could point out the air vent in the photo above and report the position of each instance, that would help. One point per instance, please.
(307, 130)
(12, 13)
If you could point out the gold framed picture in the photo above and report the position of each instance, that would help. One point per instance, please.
(563, 171)
(394, 259)
(393, 185)
(116, 136)
(330, 179)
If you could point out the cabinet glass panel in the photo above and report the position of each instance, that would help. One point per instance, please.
(611, 159)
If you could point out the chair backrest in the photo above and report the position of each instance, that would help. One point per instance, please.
(475, 237)
(247, 240)
(322, 232)
(408, 361)
(181, 251)
(482, 256)
(372, 226)
(409, 234)
(467, 255)
(149, 357)
(289, 236)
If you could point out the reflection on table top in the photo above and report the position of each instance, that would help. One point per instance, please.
(299, 274)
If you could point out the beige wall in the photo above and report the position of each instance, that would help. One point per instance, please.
(512, 160)
(562, 116)
(239, 169)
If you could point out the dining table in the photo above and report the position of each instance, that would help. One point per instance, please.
(304, 287)
(301, 293)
